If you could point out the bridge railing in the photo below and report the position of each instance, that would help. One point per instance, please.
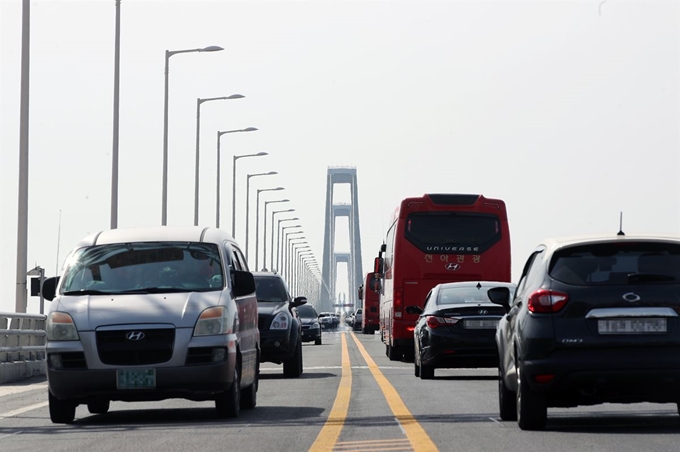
(22, 346)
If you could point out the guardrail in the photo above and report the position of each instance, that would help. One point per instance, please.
(22, 346)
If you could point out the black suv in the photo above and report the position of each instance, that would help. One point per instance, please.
(593, 320)
(279, 324)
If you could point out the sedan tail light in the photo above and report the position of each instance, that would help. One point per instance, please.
(434, 321)
(547, 301)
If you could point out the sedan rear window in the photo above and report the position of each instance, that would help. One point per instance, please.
(617, 263)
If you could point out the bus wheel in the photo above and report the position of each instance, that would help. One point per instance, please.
(393, 354)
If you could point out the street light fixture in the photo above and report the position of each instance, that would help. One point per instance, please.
(289, 253)
(233, 186)
(279, 246)
(257, 222)
(271, 251)
(168, 54)
(248, 176)
(264, 232)
(219, 134)
(199, 101)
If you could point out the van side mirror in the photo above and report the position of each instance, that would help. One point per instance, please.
(361, 292)
(49, 288)
(244, 283)
(500, 296)
(378, 265)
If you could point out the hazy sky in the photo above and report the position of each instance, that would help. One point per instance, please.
(567, 110)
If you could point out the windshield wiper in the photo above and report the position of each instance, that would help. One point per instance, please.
(86, 292)
(157, 290)
(648, 277)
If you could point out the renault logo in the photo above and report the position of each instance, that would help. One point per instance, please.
(452, 267)
(135, 336)
(631, 296)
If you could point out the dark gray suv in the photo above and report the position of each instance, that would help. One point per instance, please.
(593, 320)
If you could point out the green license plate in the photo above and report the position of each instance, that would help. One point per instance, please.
(136, 378)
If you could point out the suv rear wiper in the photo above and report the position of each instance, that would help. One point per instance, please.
(648, 277)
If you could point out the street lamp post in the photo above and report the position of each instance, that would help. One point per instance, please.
(199, 101)
(271, 251)
(289, 255)
(248, 176)
(233, 187)
(264, 231)
(168, 54)
(219, 134)
(116, 110)
(257, 222)
(295, 248)
(279, 246)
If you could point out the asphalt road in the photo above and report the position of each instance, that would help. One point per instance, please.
(349, 398)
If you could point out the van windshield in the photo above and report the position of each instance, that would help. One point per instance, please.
(143, 268)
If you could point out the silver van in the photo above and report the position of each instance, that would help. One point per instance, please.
(150, 314)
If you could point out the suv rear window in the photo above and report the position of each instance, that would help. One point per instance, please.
(307, 312)
(617, 263)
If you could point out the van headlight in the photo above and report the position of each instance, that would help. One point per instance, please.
(211, 322)
(60, 327)
(280, 322)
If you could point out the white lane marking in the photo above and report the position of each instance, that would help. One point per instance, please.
(9, 390)
(11, 434)
(400, 426)
(494, 420)
(23, 410)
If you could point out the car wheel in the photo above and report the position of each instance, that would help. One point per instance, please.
(228, 404)
(99, 407)
(532, 410)
(426, 372)
(292, 368)
(317, 341)
(61, 411)
(507, 400)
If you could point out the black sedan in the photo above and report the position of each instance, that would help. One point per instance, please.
(279, 324)
(456, 327)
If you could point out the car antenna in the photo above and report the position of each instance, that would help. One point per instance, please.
(620, 224)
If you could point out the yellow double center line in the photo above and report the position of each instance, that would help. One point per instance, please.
(328, 437)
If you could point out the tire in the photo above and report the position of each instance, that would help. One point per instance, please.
(99, 407)
(426, 372)
(292, 368)
(392, 353)
(249, 396)
(228, 404)
(317, 341)
(532, 410)
(507, 400)
(61, 411)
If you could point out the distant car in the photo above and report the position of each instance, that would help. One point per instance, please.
(358, 318)
(456, 327)
(327, 321)
(148, 314)
(279, 324)
(311, 329)
(594, 320)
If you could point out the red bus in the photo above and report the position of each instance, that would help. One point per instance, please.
(370, 305)
(434, 239)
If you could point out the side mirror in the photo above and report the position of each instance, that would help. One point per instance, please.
(49, 288)
(378, 265)
(298, 301)
(501, 296)
(413, 310)
(361, 292)
(244, 283)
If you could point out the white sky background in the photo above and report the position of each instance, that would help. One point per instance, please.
(568, 111)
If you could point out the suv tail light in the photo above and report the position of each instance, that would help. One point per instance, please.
(547, 301)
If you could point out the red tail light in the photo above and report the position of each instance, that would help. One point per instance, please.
(547, 301)
(397, 302)
(410, 329)
(544, 378)
(433, 321)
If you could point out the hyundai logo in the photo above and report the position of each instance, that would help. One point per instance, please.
(631, 296)
(483, 312)
(135, 336)
(452, 267)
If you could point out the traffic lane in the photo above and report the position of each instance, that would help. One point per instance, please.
(289, 416)
(17, 396)
(459, 410)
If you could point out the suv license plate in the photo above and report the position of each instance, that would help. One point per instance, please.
(481, 324)
(632, 326)
(136, 378)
